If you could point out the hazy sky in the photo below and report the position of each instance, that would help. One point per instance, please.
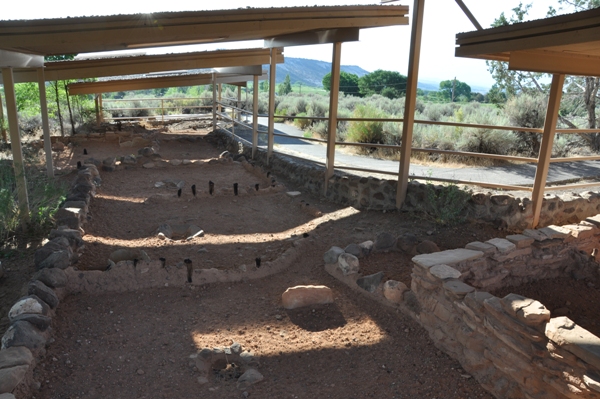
(378, 48)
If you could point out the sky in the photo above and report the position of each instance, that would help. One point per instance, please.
(378, 48)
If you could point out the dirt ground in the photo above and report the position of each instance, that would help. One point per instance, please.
(137, 345)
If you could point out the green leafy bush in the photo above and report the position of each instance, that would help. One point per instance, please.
(366, 131)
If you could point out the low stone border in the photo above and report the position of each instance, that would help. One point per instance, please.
(504, 210)
(512, 346)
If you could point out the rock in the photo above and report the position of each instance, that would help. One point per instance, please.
(305, 295)
(128, 254)
(22, 333)
(393, 291)
(348, 264)
(40, 321)
(332, 255)
(148, 165)
(250, 377)
(58, 147)
(427, 247)
(293, 194)
(187, 161)
(384, 242)
(58, 259)
(15, 356)
(10, 378)
(146, 151)
(592, 381)
(354, 249)
(225, 154)
(503, 245)
(54, 278)
(72, 236)
(202, 380)
(174, 183)
(367, 247)
(28, 305)
(176, 162)
(444, 272)
(575, 339)
(129, 160)
(371, 282)
(42, 291)
(408, 243)
(1, 270)
(54, 245)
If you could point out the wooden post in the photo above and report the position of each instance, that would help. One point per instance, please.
(15, 143)
(254, 116)
(162, 110)
(272, 72)
(214, 109)
(2, 129)
(541, 172)
(220, 98)
(97, 109)
(411, 100)
(45, 122)
(101, 107)
(239, 103)
(333, 108)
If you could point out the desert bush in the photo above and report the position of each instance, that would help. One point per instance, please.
(366, 131)
(302, 123)
(527, 110)
(319, 129)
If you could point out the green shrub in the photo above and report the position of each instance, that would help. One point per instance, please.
(446, 204)
(527, 111)
(302, 123)
(366, 131)
(45, 196)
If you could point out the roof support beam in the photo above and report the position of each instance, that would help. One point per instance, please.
(554, 62)
(411, 100)
(334, 94)
(314, 37)
(45, 122)
(469, 15)
(19, 60)
(543, 165)
(15, 144)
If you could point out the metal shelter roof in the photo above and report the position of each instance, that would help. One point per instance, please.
(120, 32)
(566, 44)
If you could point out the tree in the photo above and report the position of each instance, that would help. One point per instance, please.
(348, 83)
(453, 89)
(390, 84)
(285, 87)
(62, 57)
(581, 91)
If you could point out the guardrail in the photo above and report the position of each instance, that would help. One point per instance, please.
(164, 110)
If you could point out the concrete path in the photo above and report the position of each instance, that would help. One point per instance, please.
(522, 174)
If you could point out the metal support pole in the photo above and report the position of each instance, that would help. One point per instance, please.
(272, 73)
(411, 100)
(162, 110)
(541, 172)
(254, 116)
(45, 122)
(214, 109)
(239, 103)
(220, 98)
(333, 110)
(15, 143)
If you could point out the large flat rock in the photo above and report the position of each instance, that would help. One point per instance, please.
(449, 257)
(574, 339)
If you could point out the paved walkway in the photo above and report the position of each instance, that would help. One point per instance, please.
(521, 174)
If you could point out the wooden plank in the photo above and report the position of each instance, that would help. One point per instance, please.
(314, 37)
(334, 94)
(541, 172)
(554, 62)
(411, 100)
(45, 122)
(15, 145)
(469, 15)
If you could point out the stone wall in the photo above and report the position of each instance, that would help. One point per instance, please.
(511, 345)
(504, 210)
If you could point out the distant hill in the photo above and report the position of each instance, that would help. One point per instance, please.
(311, 73)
